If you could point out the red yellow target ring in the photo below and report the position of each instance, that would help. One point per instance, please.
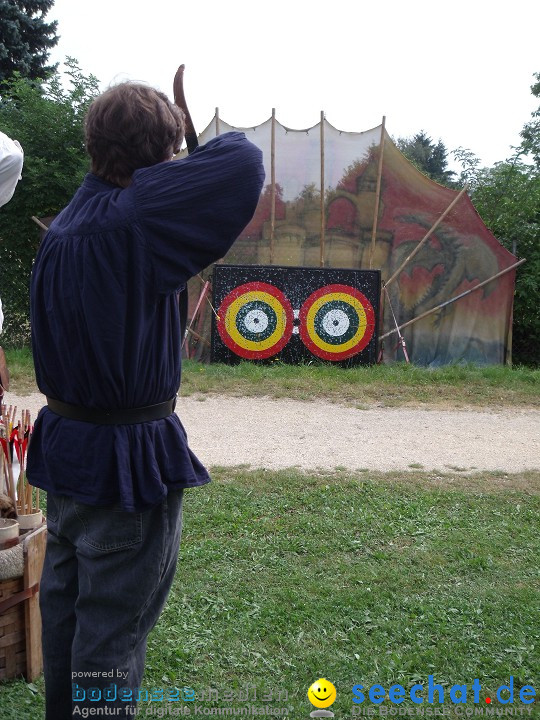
(336, 322)
(255, 320)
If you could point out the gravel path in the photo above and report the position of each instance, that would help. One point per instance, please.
(274, 434)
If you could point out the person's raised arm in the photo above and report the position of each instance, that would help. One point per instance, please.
(192, 210)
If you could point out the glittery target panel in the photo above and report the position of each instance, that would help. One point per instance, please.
(295, 314)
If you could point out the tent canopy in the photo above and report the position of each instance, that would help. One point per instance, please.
(353, 200)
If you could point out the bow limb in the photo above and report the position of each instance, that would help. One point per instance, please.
(192, 142)
(180, 100)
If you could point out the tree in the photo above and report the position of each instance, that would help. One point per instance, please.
(26, 39)
(429, 158)
(48, 122)
(530, 143)
(507, 197)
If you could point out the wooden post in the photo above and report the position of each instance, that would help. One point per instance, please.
(323, 217)
(217, 122)
(457, 297)
(273, 186)
(426, 236)
(377, 194)
(34, 554)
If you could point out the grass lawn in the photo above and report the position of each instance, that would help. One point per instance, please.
(387, 385)
(359, 578)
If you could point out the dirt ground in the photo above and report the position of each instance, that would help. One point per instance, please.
(274, 434)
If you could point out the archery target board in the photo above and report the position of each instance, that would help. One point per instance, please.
(295, 314)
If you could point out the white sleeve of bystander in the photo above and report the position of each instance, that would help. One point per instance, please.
(11, 162)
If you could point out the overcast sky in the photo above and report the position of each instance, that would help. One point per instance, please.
(461, 71)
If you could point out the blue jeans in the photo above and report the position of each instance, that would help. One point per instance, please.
(106, 577)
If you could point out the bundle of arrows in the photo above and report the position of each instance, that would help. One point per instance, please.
(14, 439)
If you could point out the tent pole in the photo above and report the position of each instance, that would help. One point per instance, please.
(199, 337)
(377, 194)
(426, 236)
(323, 218)
(217, 122)
(199, 301)
(509, 336)
(273, 186)
(457, 297)
(400, 336)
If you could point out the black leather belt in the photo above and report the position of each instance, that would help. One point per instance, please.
(129, 416)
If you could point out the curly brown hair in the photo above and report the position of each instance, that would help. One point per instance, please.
(131, 126)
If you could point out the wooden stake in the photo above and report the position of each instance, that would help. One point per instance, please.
(457, 297)
(323, 217)
(426, 236)
(377, 195)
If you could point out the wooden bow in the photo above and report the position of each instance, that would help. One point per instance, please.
(180, 100)
(192, 142)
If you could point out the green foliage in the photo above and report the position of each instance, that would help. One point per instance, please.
(429, 158)
(470, 167)
(531, 131)
(26, 39)
(48, 122)
(21, 370)
(507, 196)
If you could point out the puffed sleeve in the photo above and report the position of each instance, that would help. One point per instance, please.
(11, 162)
(192, 210)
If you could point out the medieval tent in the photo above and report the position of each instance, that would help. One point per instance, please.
(352, 200)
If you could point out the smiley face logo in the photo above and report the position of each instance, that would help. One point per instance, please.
(322, 693)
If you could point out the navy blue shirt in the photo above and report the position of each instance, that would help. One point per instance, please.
(105, 318)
